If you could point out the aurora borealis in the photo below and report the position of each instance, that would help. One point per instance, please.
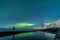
(18, 25)
(25, 13)
(23, 24)
(29, 11)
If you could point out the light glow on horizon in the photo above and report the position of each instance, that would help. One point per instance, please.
(21, 25)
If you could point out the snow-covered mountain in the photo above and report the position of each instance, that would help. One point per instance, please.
(49, 25)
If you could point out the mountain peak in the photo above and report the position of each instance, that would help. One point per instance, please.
(49, 25)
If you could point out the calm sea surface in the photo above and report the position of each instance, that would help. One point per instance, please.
(30, 36)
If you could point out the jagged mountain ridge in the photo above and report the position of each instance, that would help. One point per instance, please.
(49, 25)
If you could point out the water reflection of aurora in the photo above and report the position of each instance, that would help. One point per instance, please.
(26, 34)
(35, 35)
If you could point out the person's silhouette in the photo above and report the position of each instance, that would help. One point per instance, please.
(13, 32)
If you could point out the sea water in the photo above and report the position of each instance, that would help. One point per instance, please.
(30, 36)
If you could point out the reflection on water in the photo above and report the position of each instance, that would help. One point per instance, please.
(31, 36)
(26, 34)
(6, 38)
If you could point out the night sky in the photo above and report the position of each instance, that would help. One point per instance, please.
(29, 11)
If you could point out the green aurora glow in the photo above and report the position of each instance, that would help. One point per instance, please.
(21, 25)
